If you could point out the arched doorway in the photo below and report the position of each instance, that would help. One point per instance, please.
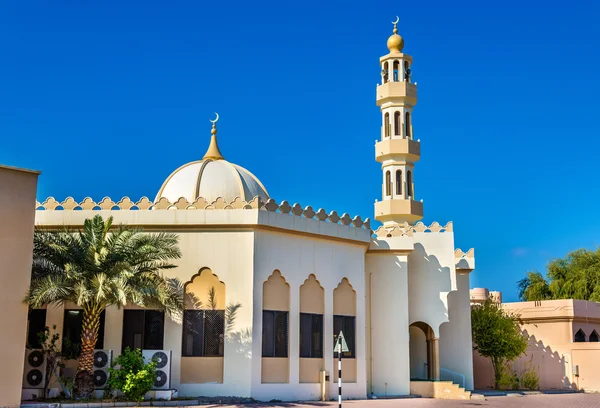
(424, 352)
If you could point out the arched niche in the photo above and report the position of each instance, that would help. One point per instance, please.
(275, 365)
(344, 319)
(312, 309)
(203, 337)
(199, 288)
(312, 296)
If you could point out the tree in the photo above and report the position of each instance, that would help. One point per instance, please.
(48, 340)
(577, 276)
(497, 335)
(102, 266)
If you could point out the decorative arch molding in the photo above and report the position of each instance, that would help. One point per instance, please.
(344, 299)
(196, 290)
(312, 296)
(276, 292)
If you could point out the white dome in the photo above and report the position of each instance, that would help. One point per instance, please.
(210, 179)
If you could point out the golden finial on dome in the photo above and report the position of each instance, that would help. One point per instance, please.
(395, 43)
(213, 151)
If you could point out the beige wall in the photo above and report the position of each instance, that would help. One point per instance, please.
(551, 325)
(17, 212)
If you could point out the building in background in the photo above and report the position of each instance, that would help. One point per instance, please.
(564, 345)
(301, 274)
(17, 211)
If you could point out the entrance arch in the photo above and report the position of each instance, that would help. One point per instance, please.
(424, 352)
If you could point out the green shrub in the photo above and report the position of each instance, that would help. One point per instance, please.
(131, 375)
(508, 380)
(530, 379)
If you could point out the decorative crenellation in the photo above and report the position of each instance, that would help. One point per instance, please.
(201, 204)
(408, 230)
(459, 253)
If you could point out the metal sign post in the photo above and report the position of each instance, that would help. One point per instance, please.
(341, 347)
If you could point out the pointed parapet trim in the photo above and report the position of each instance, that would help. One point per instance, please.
(434, 227)
(464, 261)
(69, 204)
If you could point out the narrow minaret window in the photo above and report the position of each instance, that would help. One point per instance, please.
(397, 124)
(385, 72)
(388, 183)
(406, 72)
(409, 184)
(408, 129)
(398, 182)
(396, 70)
(387, 124)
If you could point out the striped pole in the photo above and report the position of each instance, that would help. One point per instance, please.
(340, 374)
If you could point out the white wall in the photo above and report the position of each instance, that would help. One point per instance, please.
(456, 350)
(431, 276)
(389, 323)
(296, 257)
(418, 353)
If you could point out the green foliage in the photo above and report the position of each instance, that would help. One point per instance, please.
(507, 379)
(530, 379)
(496, 334)
(577, 276)
(49, 343)
(131, 375)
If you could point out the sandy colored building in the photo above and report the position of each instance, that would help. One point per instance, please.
(564, 344)
(400, 294)
(17, 196)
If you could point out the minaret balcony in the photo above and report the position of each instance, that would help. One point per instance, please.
(398, 211)
(397, 92)
(396, 147)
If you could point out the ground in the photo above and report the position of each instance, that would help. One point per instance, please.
(530, 401)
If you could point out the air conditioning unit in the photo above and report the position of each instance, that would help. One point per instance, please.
(102, 361)
(34, 372)
(163, 367)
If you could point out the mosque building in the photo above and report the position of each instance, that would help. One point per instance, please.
(299, 275)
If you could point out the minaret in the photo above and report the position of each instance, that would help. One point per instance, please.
(398, 150)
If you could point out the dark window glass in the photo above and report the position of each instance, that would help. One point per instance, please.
(311, 335)
(580, 336)
(203, 333)
(398, 182)
(345, 324)
(72, 325)
(36, 323)
(594, 337)
(275, 334)
(143, 329)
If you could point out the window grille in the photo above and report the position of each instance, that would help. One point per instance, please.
(580, 336)
(203, 333)
(345, 324)
(594, 337)
(311, 335)
(275, 334)
(143, 329)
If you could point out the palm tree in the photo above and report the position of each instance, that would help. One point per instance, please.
(102, 266)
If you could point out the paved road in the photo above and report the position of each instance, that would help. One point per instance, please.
(530, 401)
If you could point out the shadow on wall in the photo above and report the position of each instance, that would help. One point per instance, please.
(241, 341)
(429, 282)
(551, 366)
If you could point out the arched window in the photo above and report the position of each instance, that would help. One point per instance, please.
(406, 72)
(396, 71)
(384, 72)
(397, 123)
(594, 337)
(398, 182)
(388, 183)
(579, 336)
(407, 125)
(409, 189)
(386, 124)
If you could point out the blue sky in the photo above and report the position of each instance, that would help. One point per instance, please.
(108, 98)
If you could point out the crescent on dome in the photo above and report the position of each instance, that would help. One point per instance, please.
(216, 119)
(397, 20)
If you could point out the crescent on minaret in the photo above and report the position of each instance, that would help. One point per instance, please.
(216, 119)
